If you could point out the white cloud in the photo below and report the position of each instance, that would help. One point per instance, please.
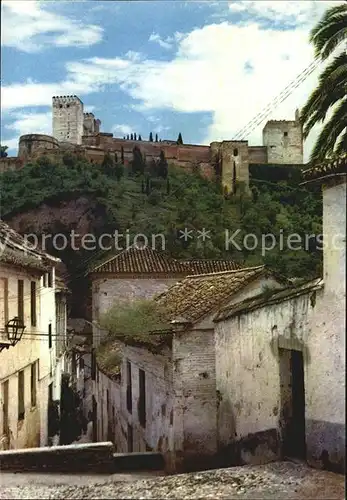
(290, 13)
(122, 129)
(29, 26)
(168, 42)
(27, 123)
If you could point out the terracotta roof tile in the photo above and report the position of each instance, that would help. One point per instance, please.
(137, 260)
(16, 251)
(141, 260)
(263, 300)
(196, 296)
(205, 266)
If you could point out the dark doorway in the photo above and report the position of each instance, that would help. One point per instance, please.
(95, 420)
(292, 403)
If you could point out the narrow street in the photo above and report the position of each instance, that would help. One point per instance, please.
(280, 480)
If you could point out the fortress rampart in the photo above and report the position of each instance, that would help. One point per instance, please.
(79, 133)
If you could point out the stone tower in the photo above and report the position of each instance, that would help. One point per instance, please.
(90, 124)
(233, 161)
(67, 114)
(284, 141)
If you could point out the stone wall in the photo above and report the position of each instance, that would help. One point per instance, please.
(32, 145)
(68, 118)
(195, 404)
(109, 291)
(10, 163)
(284, 141)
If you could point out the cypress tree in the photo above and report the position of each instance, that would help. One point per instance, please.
(140, 138)
(151, 137)
(148, 186)
(179, 139)
(156, 137)
(131, 137)
(162, 166)
(134, 137)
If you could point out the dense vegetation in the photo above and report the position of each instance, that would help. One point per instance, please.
(159, 199)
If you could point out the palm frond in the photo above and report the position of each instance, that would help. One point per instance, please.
(331, 88)
(330, 31)
(326, 142)
(341, 147)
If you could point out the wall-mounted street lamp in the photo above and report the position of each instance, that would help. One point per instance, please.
(14, 330)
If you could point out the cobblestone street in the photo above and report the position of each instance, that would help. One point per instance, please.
(280, 480)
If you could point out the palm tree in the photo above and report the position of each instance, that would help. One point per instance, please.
(331, 92)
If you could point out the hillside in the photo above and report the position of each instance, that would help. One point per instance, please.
(56, 198)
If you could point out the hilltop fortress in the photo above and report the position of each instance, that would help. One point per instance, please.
(79, 133)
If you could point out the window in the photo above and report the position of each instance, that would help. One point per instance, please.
(50, 279)
(50, 336)
(21, 407)
(4, 300)
(33, 384)
(93, 370)
(129, 389)
(33, 303)
(21, 300)
(50, 392)
(285, 134)
(236, 152)
(81, 363)
(44, 280)
(73, 365)
(5, 407)
(142, 398)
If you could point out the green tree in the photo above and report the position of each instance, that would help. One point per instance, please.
(150, 137)
(3, 153)
(179, 139)
(107, 165)
(162, 168)
(331, 93)
(140, 138)
(137, 165)
(156, 137)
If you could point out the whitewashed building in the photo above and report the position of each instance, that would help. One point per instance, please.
(280, 369)
(30, 368)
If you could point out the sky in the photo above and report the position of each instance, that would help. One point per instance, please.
(205, 69)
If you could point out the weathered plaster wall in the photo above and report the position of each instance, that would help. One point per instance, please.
(157, 434)
(249, 385)
(109, 291)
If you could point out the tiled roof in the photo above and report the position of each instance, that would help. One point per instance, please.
(266, 300)
(206, 266)
(328, 168)
(196, 296)
(16, 251)
(136, 260)
(141, 260)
